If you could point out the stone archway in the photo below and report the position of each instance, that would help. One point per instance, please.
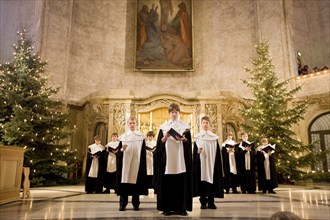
(319, 134)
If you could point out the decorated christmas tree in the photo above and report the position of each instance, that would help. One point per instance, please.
(271, 113)
(30, 118)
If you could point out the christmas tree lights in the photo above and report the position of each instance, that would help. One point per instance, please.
(29, 116)
(271, 113)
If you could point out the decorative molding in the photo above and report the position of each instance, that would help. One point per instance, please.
(195, 109)
(119, 117)
(212, 112)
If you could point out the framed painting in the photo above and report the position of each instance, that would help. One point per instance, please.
(163, 35)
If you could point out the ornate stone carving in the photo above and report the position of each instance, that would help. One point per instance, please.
(95, 114)
(119, 117)
(212, 112)
(161, 103)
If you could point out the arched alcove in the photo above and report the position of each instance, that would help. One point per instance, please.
(319, 134)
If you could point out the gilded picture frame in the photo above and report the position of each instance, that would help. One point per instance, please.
(164, 35)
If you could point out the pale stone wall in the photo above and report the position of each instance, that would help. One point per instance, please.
(311, 29)
(15, 15)
(89, 46)
(95, 53)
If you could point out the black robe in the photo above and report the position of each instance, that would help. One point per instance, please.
(174, 191)
(262, 183)
(141, 185)
(95, 184)
(203, 188)
(247, 178)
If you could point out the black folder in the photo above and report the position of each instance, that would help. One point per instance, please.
(174, 133)
(267, 148)
(246, 144)
(150, 148)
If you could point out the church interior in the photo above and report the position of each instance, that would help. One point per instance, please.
(97, 57)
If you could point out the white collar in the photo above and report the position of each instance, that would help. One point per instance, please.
(131, 136)
(174, 124)
(207, 136)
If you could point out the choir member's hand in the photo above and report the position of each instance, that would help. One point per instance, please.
(123, 148)
(183, 139)
(269, 152)
(167, 135)
(248, 148)
(95, 156)
(200, 150)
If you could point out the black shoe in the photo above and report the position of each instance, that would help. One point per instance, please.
(252, 192)
(166, 213)
(271, 191)
(136, 208)
(203, 207)
(89, 192)
(243, 192)
(212, 206)
(236, 192)
(264, 191)
(122, 208)
(183, 213)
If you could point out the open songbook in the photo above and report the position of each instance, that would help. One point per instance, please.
(112, 150)
(269, 148)
(98, 153)
(246, 144)
(231, 145)
(174, 133)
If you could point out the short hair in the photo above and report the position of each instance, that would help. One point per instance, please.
(206, 118)
(114, 134)
(284, 215)
(150, 134)
(263, 140)
(173, 106)
(131, 118)
(97, 138)
(243, 133)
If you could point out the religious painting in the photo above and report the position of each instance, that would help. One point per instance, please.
(164, 35)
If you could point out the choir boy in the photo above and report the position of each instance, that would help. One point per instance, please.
(267, 176)
(110, 156)
(230, 157)
(246, 160)
(173, 165)
(131, 166)
(151, 146)
(207, 166)
(95, 167)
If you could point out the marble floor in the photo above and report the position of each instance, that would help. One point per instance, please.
(70, 202)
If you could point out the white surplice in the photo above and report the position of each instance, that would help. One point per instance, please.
(207, 140)
(150, 157)
(231, 155)
(131, 156)
(175, 162)
(266, 162)
(111, 165)
(247, 156)
(94, 169)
